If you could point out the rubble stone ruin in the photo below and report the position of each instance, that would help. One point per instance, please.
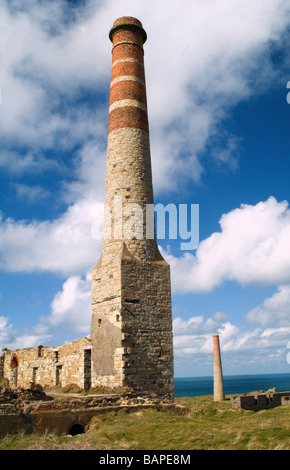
(131, 327)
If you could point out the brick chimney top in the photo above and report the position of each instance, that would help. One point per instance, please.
(128, 23)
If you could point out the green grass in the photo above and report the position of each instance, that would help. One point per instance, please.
(208, 425)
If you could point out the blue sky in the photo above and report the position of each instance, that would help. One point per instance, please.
(216, 75)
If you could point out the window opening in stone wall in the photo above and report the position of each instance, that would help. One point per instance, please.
(117, 317)
(87, 369)
(132, 301)
(34, 371)
(14, 370)
(56, 356)
(14, 362)
(2, 366)
(99, 321)
(58, 371)
(40, 350)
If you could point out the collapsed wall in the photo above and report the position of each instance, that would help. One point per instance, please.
(260, 400)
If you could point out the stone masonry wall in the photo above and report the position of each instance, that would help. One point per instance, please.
(106, 333)
(128, 178)
(260, 401)
(131, 325)
(146, 326)
(47, 366)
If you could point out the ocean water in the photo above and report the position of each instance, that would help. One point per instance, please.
(233, 384)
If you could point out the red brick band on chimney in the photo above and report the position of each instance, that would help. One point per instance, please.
(128, 103)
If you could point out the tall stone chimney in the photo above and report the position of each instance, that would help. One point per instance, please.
(218, 387)
(131, 327)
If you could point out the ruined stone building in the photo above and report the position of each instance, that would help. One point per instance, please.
(131, 329)
(48, 366)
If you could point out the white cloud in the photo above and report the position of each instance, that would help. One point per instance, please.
(70, 314)
(251, 248)
(30, 193)
(205, 62)
(43, 69)
(64, 245)
(14, 339)
(6, 333)
(198, 324)
(194, 336)
(22, 339)
(19, 164)
(90, 174)
(274, 310)
(70, 308)
(198, 68)
(240, 349)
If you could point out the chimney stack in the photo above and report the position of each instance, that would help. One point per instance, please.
(131, 329)
(128, 178)
(219, 394)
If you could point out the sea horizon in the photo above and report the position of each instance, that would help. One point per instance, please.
(233, 384)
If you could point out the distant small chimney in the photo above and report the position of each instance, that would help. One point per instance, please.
(218, 381)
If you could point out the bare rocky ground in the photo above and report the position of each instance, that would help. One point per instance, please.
(33, 409)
